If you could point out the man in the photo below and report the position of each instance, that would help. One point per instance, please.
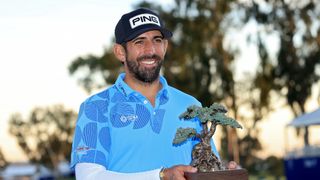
(126, 131)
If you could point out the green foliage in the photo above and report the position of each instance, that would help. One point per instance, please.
(192, 112)
(215, 113)
(218, 108)
(183, 134)
(46, 135)
(222, 119)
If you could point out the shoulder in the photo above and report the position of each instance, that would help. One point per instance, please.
(103, 95)
(178, 94)
(96, 105)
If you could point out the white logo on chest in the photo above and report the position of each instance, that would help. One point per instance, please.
(125, 118)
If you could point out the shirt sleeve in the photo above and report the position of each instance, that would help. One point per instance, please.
(91, 142)
(88, 171)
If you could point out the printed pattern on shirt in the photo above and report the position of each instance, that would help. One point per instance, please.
(119, 129)
(111, 108)
(87, 133)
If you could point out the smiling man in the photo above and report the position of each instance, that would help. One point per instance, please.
(126, 131)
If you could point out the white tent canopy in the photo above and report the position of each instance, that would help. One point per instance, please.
(307, 119)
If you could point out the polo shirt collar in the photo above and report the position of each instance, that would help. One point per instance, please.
(128, 91)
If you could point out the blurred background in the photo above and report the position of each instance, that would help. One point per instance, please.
(259, 58)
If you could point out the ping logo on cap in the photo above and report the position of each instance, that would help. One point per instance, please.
(142, 19)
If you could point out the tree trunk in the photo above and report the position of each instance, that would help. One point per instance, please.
(204, 159)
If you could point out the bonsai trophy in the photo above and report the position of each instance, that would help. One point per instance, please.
(208, 164)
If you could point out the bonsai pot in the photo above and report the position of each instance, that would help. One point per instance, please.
(236, 174)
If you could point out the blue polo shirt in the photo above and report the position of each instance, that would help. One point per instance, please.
(121, 130)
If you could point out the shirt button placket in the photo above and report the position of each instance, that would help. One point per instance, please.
(145, 102)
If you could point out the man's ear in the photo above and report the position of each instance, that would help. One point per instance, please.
(119, 52)
(165, 46)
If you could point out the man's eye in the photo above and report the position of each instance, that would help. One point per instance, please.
(138, 42)
(159, 40)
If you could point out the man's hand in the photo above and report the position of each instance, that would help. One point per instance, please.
(177, 172)
(232, 165)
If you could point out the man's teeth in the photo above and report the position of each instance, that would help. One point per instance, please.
(148, 62)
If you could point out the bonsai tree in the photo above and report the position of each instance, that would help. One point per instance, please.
(202, 156)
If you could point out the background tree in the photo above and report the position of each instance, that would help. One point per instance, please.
(3, 161)
(289, 72)
(294, 70)
(46, 135)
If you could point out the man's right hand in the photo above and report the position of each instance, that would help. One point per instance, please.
(177, 172)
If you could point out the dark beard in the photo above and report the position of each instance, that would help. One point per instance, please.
(146, 75)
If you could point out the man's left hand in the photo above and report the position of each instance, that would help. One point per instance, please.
(232, 165)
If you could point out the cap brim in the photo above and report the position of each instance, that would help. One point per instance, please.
(166, 33)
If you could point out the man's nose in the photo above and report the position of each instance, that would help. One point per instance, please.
(149, 47)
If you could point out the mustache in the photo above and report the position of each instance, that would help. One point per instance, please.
(153, 56)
